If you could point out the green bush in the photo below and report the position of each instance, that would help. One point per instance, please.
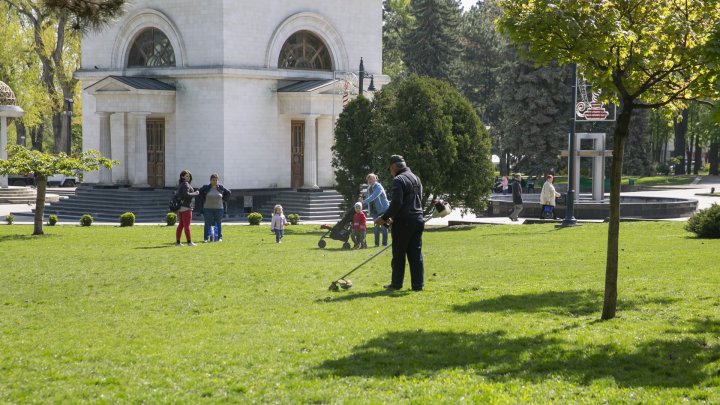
(52, 220)
(86, 220)
(705, 223)
(171, 218)
(10, 218)
(254, 218)
(293, 218)
(127, 219)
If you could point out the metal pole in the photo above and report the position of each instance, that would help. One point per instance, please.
(69, 103)
(570, 200)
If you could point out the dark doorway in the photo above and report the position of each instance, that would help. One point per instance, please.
(156, 152)
(297, 153)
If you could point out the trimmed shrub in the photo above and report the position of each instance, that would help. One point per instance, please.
(86, 220)
(171, 218)
(127, 219)
(254, 218)
(52, 220)
(10, 218)
(293, 218)
(705, 223)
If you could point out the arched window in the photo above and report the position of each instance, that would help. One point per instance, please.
(304, 50)
(151, 48)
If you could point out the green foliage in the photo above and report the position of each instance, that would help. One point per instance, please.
(10, 218)
(431, 46)
(293, 219)
(442, 139)
(396, 20)
(86, 220)
(353, 151)
(705, 223)
(495, 324)
(52, 220)
(127, 219)
(21, 160)
(254, 218)
(171, 218)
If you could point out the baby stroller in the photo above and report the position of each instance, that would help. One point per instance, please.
(340, 231)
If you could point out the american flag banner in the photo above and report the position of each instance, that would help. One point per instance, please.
(346, 92)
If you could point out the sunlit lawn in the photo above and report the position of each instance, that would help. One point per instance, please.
(509, 315)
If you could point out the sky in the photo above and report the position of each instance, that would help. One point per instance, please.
(468, 3)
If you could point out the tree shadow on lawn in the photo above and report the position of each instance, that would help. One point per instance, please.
(659, 363)
(584, 302)
(9, 238)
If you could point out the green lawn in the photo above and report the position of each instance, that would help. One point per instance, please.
(509, 315)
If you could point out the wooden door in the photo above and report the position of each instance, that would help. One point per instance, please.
(297, 153)
(156, 152)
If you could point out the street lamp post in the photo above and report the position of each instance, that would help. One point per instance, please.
(68, 117)
(570, 199)
(362, 75)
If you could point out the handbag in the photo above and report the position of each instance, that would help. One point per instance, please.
(175, 204)
(548, 212)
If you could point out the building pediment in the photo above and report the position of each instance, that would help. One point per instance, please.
(133, 94)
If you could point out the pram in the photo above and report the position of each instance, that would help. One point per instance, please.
(340, 231)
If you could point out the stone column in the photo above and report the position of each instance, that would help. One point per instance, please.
(310, 174)
(3, 145)
(140, 176)
(105, 148)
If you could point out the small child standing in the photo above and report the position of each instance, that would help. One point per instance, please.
(278, 223)
(359, 227)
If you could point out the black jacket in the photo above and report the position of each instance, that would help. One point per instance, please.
(517, 192)
(406, 196)
(183, 191)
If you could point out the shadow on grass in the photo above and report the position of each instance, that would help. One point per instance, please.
(9, 238)
(164, 246)
(439, 228)
(677, 363)
(583, 302)
(350, 296)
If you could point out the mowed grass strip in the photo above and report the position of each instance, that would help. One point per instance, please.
(510, 314)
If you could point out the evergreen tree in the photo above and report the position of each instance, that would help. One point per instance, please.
(534, 115)
(432, 44)
(396, 20)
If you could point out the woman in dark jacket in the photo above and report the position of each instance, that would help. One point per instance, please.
(211, 203)
(187, 195)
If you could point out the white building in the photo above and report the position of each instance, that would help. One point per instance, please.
(245, 88)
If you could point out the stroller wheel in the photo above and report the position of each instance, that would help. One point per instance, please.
(322, 243)
(346, 245)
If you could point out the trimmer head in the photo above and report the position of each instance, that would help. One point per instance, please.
(345, 284)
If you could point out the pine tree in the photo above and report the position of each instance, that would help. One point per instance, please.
(431, 46)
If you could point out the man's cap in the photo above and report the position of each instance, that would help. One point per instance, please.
(396, 159)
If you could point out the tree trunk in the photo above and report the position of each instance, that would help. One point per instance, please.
(611, 266)
(714, 158)
(36, 137)
(680, 132)
(698, 158)
(21, 132)
(41, 183)
(57, 122)
(689, 153)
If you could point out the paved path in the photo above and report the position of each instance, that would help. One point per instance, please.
(699, 186)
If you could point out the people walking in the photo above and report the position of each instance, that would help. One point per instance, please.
(377, 203)
(187, 194)
(278, 222)
(405, 213)
(211, 202)
(547, 198)
(517, 197)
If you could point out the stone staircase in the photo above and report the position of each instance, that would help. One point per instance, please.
(311, 206)
(150, 206)
(25, 195)
(107, 204)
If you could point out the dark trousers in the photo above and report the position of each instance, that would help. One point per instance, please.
(407, 241)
